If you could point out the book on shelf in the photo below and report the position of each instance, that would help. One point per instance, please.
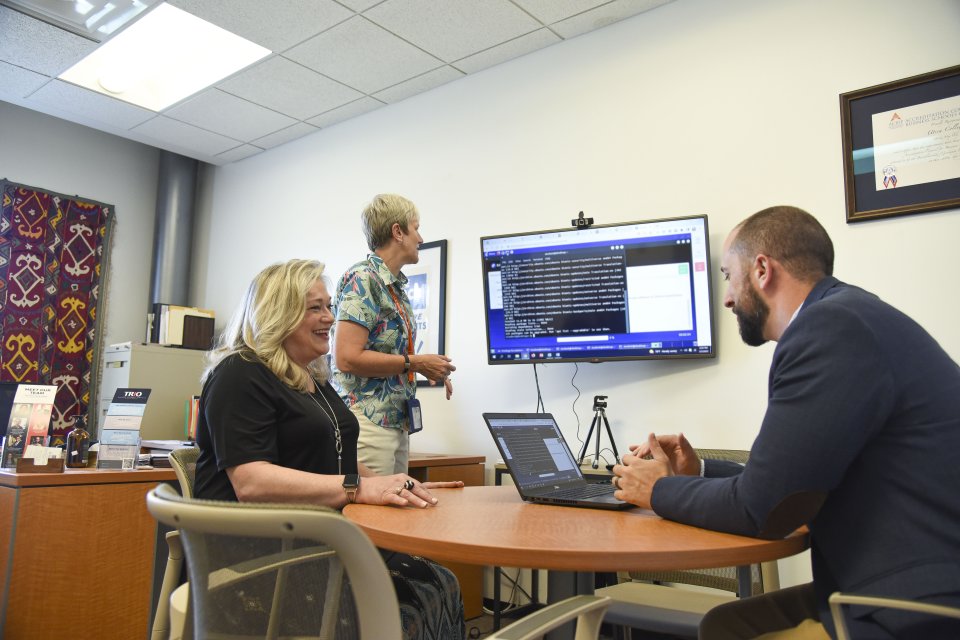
(191, 413)
(181, 326)
(29, 421)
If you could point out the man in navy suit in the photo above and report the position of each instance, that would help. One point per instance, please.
(860, 442)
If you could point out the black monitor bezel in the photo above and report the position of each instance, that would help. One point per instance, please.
(597, 360)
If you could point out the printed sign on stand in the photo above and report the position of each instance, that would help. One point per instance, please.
(120, 432)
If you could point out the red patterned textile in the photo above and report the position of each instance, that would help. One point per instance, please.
(53, 256)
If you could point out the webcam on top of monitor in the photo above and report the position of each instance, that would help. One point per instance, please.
(580, 222)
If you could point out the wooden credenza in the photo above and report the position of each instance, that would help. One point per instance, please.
(438, 467)
(77, 553)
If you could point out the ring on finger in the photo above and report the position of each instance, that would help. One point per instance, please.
(408, 485)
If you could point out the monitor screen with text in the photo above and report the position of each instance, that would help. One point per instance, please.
(634, 290)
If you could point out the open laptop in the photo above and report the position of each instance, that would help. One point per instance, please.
(543, 468)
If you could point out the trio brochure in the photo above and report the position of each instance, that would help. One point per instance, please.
(120, 433)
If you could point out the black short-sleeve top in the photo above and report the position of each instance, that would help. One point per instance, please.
(247, 414)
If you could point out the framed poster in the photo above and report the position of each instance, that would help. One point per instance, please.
(901, 146)
(427, 290)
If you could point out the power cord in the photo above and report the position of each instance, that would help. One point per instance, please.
(540, 406)
(573, 406)
(515, 587)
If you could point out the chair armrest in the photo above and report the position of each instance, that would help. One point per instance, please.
(171, 579)
(838, 600)
(587, 610)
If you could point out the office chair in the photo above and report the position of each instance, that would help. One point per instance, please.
(838, 600)
(184, 464)
(648, 601)
(271, 571)
(275, 570)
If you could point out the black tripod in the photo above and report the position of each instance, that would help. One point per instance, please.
(599, 412)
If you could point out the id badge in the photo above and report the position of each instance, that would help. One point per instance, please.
(414, 416)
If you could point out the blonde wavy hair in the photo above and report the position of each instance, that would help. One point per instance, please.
(273, 307)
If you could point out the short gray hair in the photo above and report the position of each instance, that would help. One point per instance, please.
(385, 210)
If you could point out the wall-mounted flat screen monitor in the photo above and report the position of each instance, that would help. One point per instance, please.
(626, 291)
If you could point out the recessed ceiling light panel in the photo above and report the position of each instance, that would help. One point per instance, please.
(164, 57)
(93, 19)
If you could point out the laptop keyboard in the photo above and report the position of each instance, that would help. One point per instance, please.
(583, 491)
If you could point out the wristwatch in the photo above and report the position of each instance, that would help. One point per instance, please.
(351, 484)
(406, 363)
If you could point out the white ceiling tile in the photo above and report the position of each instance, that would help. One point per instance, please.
(180, 134)
(453, 29)
(239, 153)
(550, 11)
(604, 16)
(290, 88)
(332, 61)
(89, 105)
(351, 110)
(361, 55)
(422, 83)
(275, 25)
(229, 115)
(359, 5)
(18, 83)
(508, 50)
(39, 46)
(283, 136)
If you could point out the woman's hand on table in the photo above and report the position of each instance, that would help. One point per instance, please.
(401, 490)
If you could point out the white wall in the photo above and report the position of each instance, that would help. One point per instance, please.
(52, 154)
(696, 107)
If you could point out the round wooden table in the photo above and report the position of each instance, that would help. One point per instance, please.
(493, 526)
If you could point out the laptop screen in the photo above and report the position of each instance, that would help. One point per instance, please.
(534, 450)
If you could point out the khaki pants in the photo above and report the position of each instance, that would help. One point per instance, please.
(787, 614)
(384, 451)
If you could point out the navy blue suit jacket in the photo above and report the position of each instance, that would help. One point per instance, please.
(860, 441)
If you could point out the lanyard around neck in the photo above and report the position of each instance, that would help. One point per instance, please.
(406, 322)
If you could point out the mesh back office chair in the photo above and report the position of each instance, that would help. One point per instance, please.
(184, 464)
(271, 571)
(646, 600)
(839, 600)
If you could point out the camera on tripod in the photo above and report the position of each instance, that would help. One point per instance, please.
(599, 415)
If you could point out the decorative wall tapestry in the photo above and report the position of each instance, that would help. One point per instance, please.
(53, 259)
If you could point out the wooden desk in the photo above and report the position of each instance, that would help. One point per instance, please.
(77, 553)
(442, 467)
(493, 526)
